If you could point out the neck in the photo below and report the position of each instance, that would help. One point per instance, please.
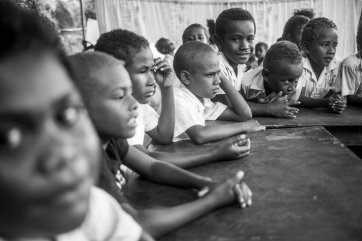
(316, 67)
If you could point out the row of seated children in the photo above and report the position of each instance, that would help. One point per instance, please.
(50, 152)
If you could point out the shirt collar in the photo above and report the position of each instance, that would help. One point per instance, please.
(258, 84)
(200, 106)
(331, 66)
(223, 59)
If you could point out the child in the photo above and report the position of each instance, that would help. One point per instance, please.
(263, 87)
(293, 29)
(318, 81)
(235, 31)
(106, 88)
(49, 149)
(260, 50)
(350, 72)
(195, 32)
(133, 48)
(197, 66)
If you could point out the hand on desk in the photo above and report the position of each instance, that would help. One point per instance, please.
(279, 106)
(252, 126)
(233, 147)
(230, 191)
(337, 103)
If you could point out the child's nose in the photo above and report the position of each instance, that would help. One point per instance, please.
(243, 44)
(133, 105)
(217, 80)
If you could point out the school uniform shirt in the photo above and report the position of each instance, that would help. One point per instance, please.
(228, 71)
(189, 111)
(252, 87)
(350, 75)
(318, 88)
(105, 220)
(147, 120)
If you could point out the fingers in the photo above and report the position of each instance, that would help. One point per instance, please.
(241, 190)
(293, 103)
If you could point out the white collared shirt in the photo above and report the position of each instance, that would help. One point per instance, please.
(190, 112)
(318, 88)
(147, 120)
(105, 220)
(228, 71)
(350, 75)
(252, 86)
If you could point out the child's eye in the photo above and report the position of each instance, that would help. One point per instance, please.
(10, 138)
(250, 39)
(69, 116)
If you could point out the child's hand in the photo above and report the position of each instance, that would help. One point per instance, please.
(233, 147)
(164, 75)
(337, 103)
(232, 190)
(282, 109)
(252, 126)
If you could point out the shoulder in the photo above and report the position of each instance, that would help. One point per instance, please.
(352, 61)
(251, 76)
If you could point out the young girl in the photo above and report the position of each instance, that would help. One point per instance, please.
(318, 82)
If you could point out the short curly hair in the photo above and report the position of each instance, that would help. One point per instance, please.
(192, 27)
(280, 53)
(293, 24)
(229, 15)
(121, 44)
(312, 29)
(189, 55)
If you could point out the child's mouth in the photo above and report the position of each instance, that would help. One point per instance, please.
(132, 122)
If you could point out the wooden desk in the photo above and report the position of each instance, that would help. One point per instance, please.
(306, 186)
(347, 127)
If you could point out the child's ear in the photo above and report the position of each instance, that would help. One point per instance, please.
(304, 47)
(265, 74)
(185, 77)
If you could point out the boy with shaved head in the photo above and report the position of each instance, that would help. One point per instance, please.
(197, 66)
(113, 111)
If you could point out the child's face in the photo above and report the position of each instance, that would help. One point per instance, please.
(260, 52)
(196, 34)
(238, 42)
(113, 109)
(204, 80)
(143, 82)
(48, 148)
(168, 47)
(286, 80)
(323, 48)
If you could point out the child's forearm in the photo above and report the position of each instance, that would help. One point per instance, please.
(237, 101)
(354, 100)
(166, 122)
(308, 102)
(159, 222)
(259, 109)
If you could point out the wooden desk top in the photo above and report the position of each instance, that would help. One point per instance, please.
(352, 116)
(306, 186)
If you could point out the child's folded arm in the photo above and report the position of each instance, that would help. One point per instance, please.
(229, 149)
(204, 134)
(354, 100)
(162, 172)
(239, 107)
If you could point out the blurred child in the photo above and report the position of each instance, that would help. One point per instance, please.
(260, 51)
(144, 72)
(195, 32)
(318, 81)
(107, 92)
(235, 31)
(49, 149)
(197, 66)
(306, 12)
(350, 72)
(271, 90)
(133, 48)
(293, 29)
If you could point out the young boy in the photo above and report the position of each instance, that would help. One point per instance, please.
(271, 90)
(235, 31)
(350, 72)
(107, 92)
(260, 51)
(135, 51)
(132, 48)
(49, 150)
(318, 81)
(195, 32)
(293, 29)
(197, 66)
